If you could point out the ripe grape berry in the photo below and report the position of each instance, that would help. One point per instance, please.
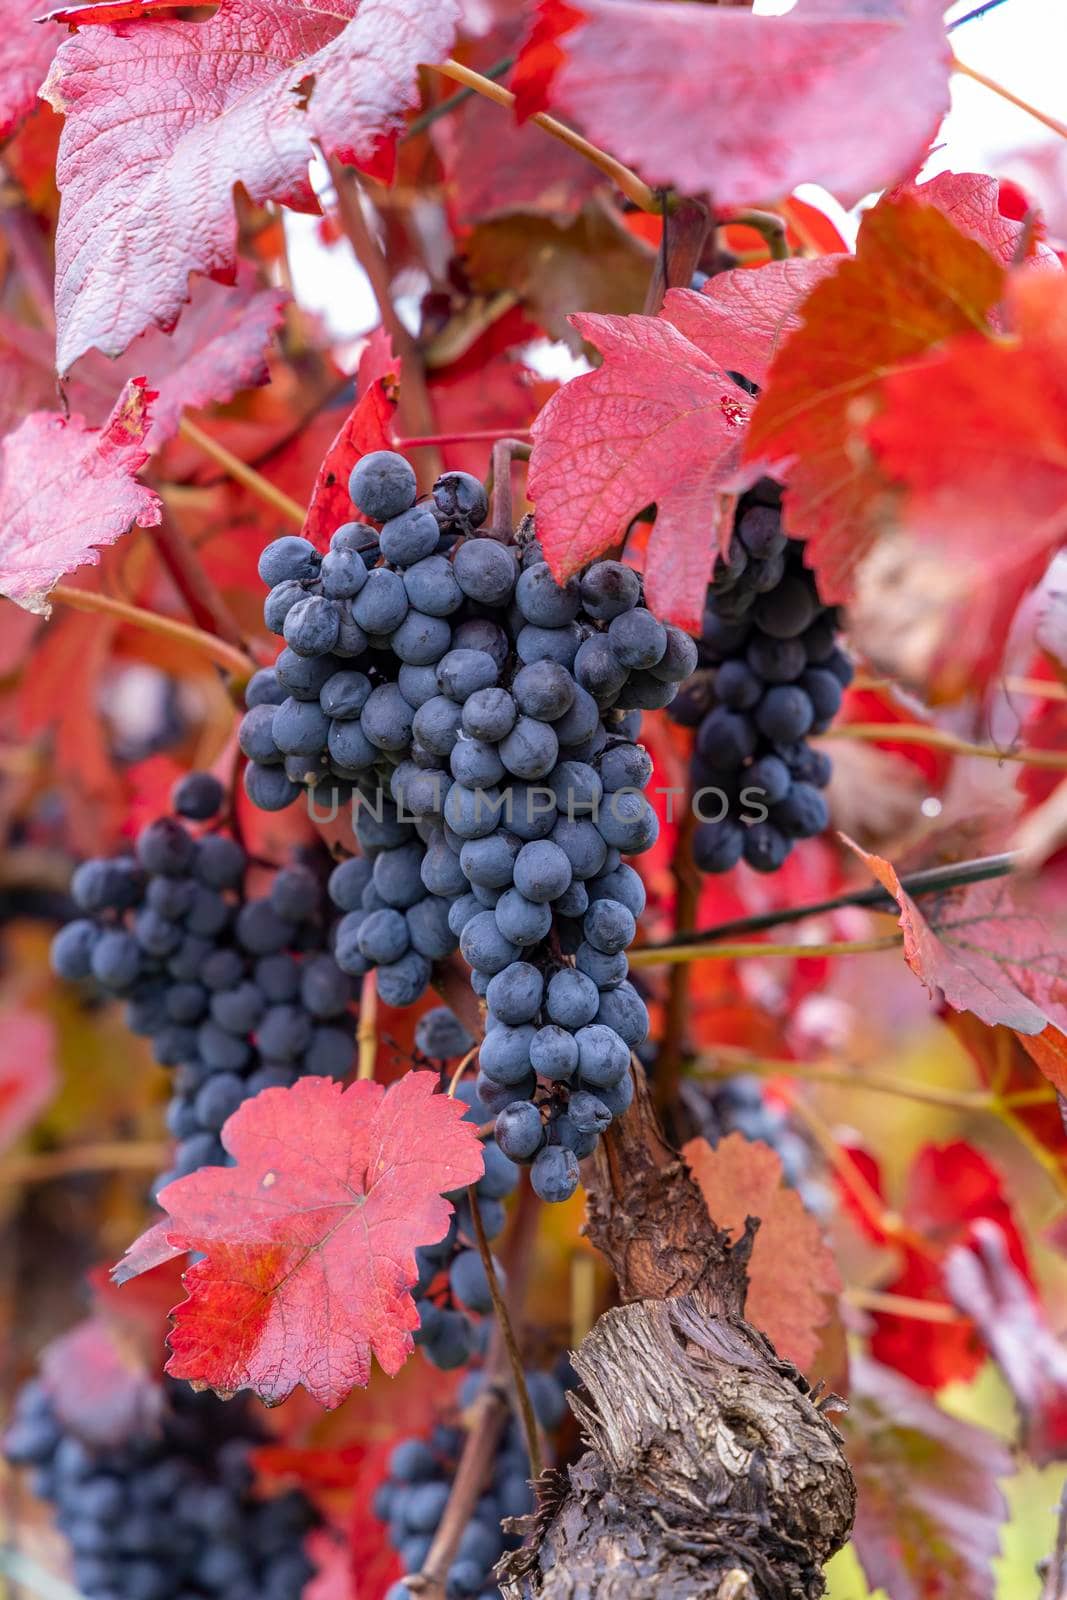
(771, 674)
(482, 721)
(169, 1513)
(236, 994)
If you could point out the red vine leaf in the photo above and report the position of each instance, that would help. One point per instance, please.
(791, 1271)
(309, 1240)
(858, 91)
(952, 1190)
(743, 317)
(985, 1283)
(66, 489)
(915, 281)
(164, 118)
(991, 491)
(930, 1509)
(367, 427)
(979, 949)
(218, 348)
(972, 202)
(658, 421)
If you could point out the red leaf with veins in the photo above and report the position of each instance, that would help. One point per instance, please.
(367, 427)
(164, 118)
(982, 951)
(218, 348)
(971, 202)
(743, 317)
(988, 1287)
(709, 98)
(914, 281)
(66, 489)
(26, 50)
(309, 1241)
(792, 1277)
(976, 434)
(659, 421)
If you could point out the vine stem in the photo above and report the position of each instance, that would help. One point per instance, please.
(972, 16)
(767, 223)
(415, 405)
(938, 739)
(658, 955)
(453, 1082)
(501, 517)
(684, 233)
(108, 1156)
(225, 655)
(242, 473)
(631, 185)
(206, 606)
(904, 1305)
(444, 108)
(969, 1100)
(507, 1333)
(367, 1032)
(1012, 99)
(931, 880)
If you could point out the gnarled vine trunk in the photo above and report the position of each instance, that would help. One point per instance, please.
(712, 1468)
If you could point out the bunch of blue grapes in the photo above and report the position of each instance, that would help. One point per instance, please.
(412, 1500)
(771, 674)
(169, 1514)
(237, 993)
(393, 919)
(484, 718)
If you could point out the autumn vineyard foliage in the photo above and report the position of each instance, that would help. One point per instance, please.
(624, 1199)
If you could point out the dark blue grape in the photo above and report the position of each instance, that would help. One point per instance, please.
(765, 847)
(382, 485)
(554, 1174)
(198, 796)
(784, 714)
(290, 559)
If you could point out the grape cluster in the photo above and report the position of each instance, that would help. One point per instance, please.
(170, 1514)
(237, 993)
(771, 673)
(413, 1497)
(485, 719)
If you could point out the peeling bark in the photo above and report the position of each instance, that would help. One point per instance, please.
(712, 1469)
